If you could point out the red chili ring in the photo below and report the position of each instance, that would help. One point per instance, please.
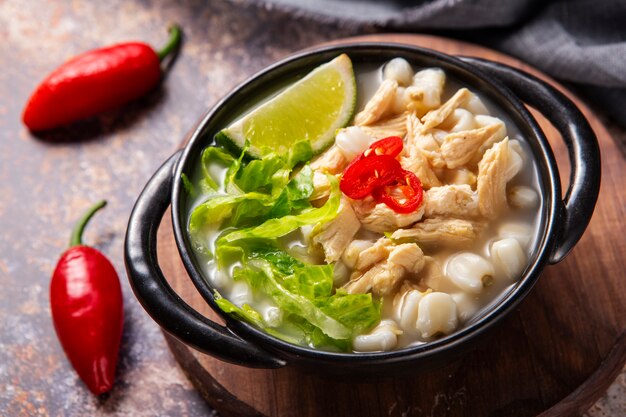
(412, 189)
(363, 176)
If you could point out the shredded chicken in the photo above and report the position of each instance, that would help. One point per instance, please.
(354, 250)
(482, 121)
(435, 117)
(459, 176)
(425, 142)
(379, 104)
(339, 232)
(458, 148)
(375, 253)
(432, 275)
(394, 126)
(438, 231)
(451, 201)
(383, 277)
(491, 181)
(417, 163)
(380, 218)
(383, 274)
(332, 161)
(445, 146)
(458, 121)
(407, 255)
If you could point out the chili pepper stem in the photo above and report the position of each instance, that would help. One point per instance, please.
(172, 42)
(77, 233)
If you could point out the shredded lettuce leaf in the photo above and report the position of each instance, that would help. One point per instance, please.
(213, 155)
(299, 305)
(305, 293)
(277, 227)
(258, 173)
(295, 195)
(188, 185)
(311, 282)
(220, 207)
(301, 152)
(259, 191)
(280, 260)
(254, 204)
(245, 313)
(280, 179)
(359, 312)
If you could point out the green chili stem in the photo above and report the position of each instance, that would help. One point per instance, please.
(172, 42)
(77, 234)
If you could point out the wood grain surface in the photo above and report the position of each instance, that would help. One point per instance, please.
(556, 354)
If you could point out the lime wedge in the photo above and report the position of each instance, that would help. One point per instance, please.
(312, 109)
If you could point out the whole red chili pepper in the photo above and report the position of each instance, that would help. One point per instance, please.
(87, 309)
(96, 81)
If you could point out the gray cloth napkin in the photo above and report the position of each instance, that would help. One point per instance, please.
(582, 42)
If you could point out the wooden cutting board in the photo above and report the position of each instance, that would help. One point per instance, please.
(556, 354)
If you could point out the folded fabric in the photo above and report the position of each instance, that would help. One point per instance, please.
(577, 41)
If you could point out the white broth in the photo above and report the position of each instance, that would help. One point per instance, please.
(457, 279)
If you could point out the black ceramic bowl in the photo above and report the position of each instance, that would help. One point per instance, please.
(562, 221)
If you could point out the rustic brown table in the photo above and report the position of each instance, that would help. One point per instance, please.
(46, 182)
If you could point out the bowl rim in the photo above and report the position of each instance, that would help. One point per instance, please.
(550, 209)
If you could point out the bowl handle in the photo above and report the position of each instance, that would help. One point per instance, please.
(582, 147)
(158, 298)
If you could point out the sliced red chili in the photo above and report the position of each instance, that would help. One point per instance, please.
(411, 188)
(391, 146)
(364, 175)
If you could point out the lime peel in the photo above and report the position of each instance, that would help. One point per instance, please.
(312, 109)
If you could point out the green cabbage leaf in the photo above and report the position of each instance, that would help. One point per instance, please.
(254, 204)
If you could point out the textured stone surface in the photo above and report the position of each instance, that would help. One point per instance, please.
(46, 183)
